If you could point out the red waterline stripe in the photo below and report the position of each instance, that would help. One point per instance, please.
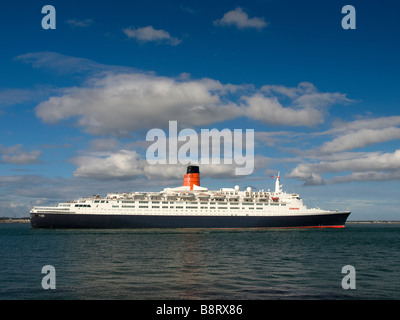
(243, 228)
(307, 227)
(321, 227)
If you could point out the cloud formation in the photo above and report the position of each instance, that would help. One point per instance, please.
(360, 138)
(336, 156)
(149, 34)
(68, 65)
(241, 20)
(116, 102)
(361, 133)
(307, 105)
(368, 166)
(123, 103)
(123, 164)
(120, 101)
(10, 97)
(269, 110)
(128, 165)
(18, 155)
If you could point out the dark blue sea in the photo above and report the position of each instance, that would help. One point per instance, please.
(201, 264)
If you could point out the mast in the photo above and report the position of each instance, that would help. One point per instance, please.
(277, 185)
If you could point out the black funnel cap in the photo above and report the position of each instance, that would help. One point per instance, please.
(193, 169)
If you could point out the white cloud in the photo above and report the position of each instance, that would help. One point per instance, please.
(306, 95)
(117, 100)
(67, 65)
(368, 123)
(320, 99)
(270, 111)
(125, 102)
(103, 145)
(123, 164)
(18, 155)
(241, 20)
(217, 158)
(367, 176)
(291, 92)
(366, 166)
(130, 165)
(307, 105)
(360, 138)
(359, 133)
(122, 103)
(149, 34)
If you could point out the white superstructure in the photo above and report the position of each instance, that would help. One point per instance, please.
(183, 201)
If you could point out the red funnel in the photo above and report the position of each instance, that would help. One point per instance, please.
(192, 177)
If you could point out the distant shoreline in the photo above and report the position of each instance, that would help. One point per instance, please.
(14, 220)
(374, 221)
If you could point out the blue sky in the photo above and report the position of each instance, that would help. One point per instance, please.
(76, 102)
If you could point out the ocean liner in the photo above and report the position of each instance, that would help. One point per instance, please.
(189, 206)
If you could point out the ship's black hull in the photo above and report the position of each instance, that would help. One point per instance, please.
(113, 221)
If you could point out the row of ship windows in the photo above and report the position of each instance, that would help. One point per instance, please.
(232, 206)
(187, 207)
(180, 202)
(203, 202)
(196, 203)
